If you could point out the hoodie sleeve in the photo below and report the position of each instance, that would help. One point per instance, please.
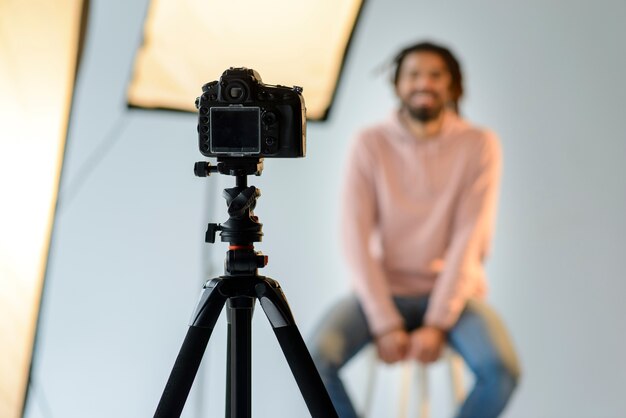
(359, 222)
(472, 229)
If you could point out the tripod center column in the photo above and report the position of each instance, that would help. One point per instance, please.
(239, 393)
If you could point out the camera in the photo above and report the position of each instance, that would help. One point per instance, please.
(239, 116)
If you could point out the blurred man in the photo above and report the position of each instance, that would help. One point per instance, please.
(418, 212)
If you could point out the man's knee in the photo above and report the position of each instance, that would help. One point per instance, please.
(499, 360)
(328, 350)
(499, 372)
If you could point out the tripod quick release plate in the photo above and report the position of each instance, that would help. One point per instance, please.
(230, 166)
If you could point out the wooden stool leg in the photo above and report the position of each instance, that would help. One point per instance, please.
(456, 376)
(421, 381)
(405, 385)
(424, 398)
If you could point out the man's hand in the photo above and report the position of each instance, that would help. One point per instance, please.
(426, 344)
(392, 346)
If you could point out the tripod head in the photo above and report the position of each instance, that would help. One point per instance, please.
(242, 228)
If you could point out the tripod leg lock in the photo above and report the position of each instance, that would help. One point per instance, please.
(274, 304)
(209, 306)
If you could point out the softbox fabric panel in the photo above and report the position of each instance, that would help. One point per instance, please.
(190, 42)
(39, 42)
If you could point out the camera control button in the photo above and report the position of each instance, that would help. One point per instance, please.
(269, 118)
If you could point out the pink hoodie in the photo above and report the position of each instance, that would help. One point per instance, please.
(417, 217)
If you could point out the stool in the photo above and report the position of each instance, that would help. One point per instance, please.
(455, 364)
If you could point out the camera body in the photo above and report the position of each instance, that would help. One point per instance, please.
(239, 116)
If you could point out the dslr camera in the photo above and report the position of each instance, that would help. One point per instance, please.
(239, 116)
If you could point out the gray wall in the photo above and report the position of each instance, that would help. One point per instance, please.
(128, 257)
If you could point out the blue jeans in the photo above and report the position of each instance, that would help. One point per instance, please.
(478, 336)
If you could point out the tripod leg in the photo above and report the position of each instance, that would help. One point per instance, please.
(304, 371)
(186, 366)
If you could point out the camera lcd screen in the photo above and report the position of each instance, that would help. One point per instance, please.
(235, 130)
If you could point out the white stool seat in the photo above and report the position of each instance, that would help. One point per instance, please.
(420, 372)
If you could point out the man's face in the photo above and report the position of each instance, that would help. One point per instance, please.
(423, 85)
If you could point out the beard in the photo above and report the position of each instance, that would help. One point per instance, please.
(424, 114)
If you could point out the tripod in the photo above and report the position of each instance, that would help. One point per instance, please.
(239, 288)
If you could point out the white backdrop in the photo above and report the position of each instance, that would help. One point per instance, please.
(128, 257)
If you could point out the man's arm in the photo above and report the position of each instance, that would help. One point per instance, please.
(472, 227)
(359, 217)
